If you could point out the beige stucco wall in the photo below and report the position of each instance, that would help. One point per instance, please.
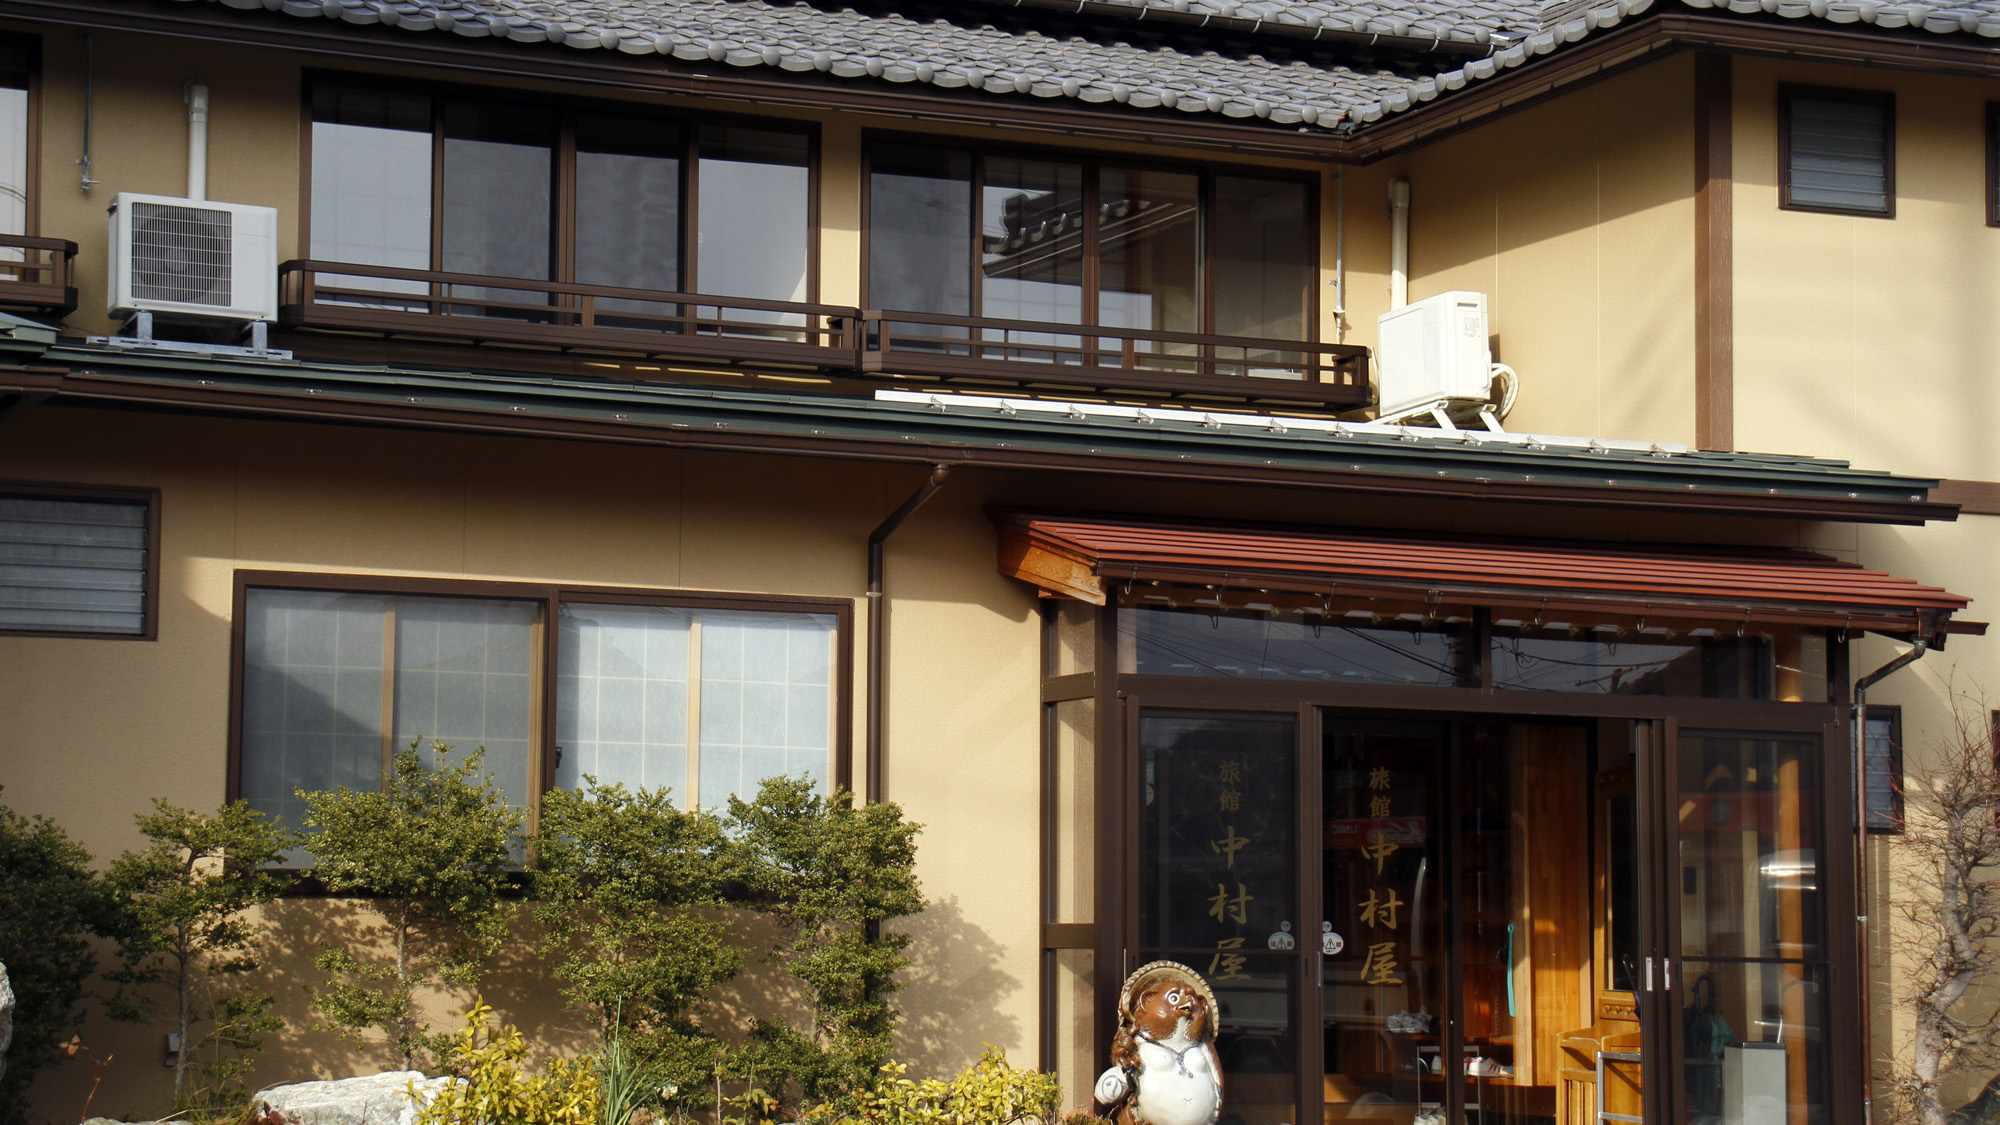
(1871, 340)
(1575, 218)
(98, 727)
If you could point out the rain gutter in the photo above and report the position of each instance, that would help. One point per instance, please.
(1859, 740)
(878, 624)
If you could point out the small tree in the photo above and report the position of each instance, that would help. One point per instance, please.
(187, 894)
(829, 872)
(1949, 910)
(429, 854)
(625, 882)
(51, 905)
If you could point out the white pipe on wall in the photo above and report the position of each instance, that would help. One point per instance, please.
(1399, 243)
(197, 101)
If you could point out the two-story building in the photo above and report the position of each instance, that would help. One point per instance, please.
(982, 406)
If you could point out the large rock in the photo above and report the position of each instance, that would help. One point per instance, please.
(376, 1099)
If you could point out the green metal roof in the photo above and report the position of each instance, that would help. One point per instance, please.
(963, 430)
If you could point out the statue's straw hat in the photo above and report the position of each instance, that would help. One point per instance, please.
(1166, 970)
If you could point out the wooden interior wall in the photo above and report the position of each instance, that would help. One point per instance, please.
(1552, 893)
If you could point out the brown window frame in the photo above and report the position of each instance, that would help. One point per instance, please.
(1786, 93)
(31, 49)
(1093, 162)
(1993, 164)
(149, 629)
(1893, 821)
(562, 173)
(551, 596)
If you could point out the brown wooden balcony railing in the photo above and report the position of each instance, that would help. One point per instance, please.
(1102, 358)
(37, 274)
(432, 303)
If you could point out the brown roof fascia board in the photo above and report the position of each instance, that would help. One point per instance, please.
(85, 388)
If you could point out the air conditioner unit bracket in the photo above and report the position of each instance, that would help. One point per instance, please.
(137, 334)
(1439, 411)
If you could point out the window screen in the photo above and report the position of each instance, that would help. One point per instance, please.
(74, 565)
(1838, 152)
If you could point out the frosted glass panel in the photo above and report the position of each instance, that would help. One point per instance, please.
(371, 182)
(13, 161)
(766, 700)
(628, 204)
(497, 168)
(465, 675)
(622, 696)
(752, 217)
(312, 696)
(920, 218)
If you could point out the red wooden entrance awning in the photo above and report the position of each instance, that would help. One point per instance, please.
(1582, 583)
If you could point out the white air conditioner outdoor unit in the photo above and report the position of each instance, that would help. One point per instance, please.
(1433, 351)
(193, 258)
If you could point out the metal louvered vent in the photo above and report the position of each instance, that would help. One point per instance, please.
(72, 566)
(181, 254)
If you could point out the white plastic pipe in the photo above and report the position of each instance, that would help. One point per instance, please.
(1399, 243)
(197, 100)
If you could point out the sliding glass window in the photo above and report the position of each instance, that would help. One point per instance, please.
(595, 196)
(648, 691)
(1164, 253)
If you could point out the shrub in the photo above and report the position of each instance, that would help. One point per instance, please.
(829, 872)
(989, 1092)
(186, 895)
(495, 1088)
(51, 905)
(627, 884)
(430, 855)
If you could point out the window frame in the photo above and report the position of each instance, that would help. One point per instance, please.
(149, 610)
(1787, 92)
(1993, 164)
(1893, 714)
(1093, 162)
(562, 164)
(551, 596)
(31, 168)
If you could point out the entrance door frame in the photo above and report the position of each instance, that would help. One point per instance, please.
(1124, 697)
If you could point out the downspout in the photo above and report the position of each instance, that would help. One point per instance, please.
(1399, 243)
(1340, 256)
(1859, 742)
(196, 97)
(878, 622)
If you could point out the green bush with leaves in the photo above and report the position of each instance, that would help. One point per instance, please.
(188, 894)
(494, 1085)
(628, 885)
(428, 855)
(829, 871)
(989, 1092)
(51, 906)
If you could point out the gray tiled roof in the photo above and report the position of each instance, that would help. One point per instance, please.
(993, 47)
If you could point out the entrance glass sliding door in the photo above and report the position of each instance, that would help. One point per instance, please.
(1432, 920)
(1752, 955)
(1394, 913)
(1219, 887)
